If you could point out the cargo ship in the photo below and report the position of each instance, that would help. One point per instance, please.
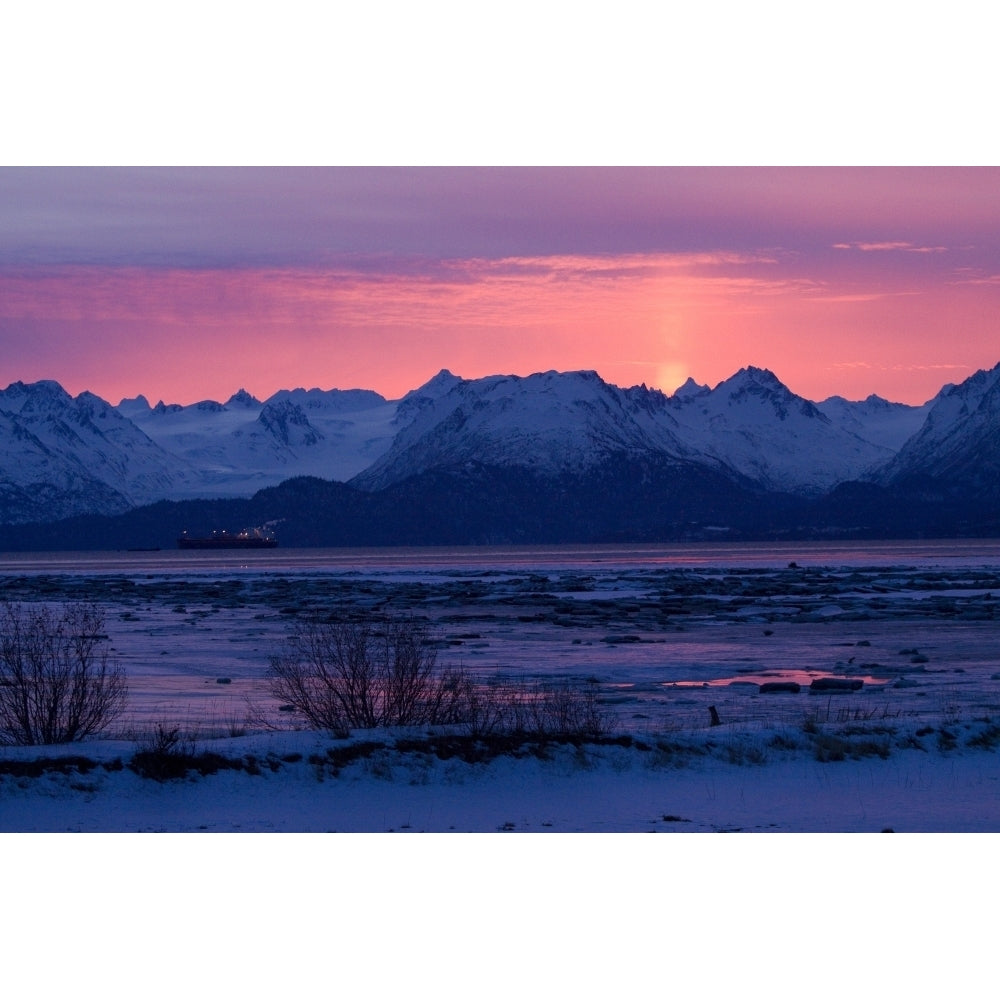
(249, 538)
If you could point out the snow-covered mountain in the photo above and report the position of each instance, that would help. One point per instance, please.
(61, 455)
(750, 426)
(416, 401)
(244, 444)
(37, 483)
(959, 442)
(71, 455)
(550, 423)
(889, 425)
(754, 424)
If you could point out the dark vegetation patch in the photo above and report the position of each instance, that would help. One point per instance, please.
(947, 740)
(829, 747)
(866, 730)
(175, 760)
(178, 764)
(471, 749)
(338, 757)
(174, 765)
(782, 742)
(988, 738)
(482, 748)
(165, 755)
(50, 765)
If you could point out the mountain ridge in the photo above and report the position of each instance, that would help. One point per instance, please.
(754, 439)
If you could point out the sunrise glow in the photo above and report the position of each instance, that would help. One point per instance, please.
(189, 284)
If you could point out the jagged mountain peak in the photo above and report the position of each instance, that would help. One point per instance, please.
(242, 398)
(569, 385)
(45, 385)
(287, 422)
(959, 441)
(88, 407)
(762, 386)
(162, 408)
(40, 396)
(439, 384)
(330, 400)
(48, 401)
(871, 404)
(751, 381)
(755, 424)
(974, 386)
(580, 374)
(879, 402)
(752, 375)
(548, 396)
(691, 389)
(70, 449)
(134, 404)
(956, 402)
(876, 419)
(419, 399)
(548, 422)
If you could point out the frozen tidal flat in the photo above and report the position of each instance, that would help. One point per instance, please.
(663, 633)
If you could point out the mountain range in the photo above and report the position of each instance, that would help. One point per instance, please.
(545, 457)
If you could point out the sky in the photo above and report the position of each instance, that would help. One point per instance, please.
(188, 283)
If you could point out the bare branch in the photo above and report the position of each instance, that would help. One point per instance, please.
(57, 682)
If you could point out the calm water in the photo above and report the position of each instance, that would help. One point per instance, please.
(950, 552)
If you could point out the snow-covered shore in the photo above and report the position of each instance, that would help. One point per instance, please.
(300, 782)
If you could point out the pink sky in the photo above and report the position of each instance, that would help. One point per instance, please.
(187, 284)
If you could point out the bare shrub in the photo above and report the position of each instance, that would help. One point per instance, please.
(566, 709)
(163, 739)
(371, 673)
(492, 709)
(365, 674)
(164, 753)
(449, 697)
(553, 710)
(57, 681)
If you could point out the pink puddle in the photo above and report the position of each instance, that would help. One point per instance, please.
(803, 677)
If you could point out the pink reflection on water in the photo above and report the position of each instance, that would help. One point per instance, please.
(803, 677)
